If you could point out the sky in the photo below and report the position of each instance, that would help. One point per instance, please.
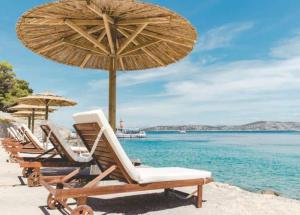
(244, 68)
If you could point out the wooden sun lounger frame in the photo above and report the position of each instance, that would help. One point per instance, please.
(32, 166)
(110, 168)
(14, 146)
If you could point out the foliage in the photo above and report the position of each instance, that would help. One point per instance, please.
(11, 87)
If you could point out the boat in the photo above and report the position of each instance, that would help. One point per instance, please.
(182, 131)
(129, 133)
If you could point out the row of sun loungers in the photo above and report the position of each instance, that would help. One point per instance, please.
(102, 149)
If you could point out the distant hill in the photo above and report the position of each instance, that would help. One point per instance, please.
(254, 126)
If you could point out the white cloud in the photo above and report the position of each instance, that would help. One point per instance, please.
(235, 92)
(225, 93)
(222, 36)
(287, 48)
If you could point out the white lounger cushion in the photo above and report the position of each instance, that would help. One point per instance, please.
(76, 157)
(16, 135)
(31, 136)
(140, 175)
(149, 175)
(11, 133)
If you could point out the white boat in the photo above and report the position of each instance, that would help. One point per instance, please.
(129, 133)
(182, 131)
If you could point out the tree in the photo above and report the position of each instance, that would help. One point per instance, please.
(11, 88)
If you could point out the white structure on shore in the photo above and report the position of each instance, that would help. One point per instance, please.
(129, 133)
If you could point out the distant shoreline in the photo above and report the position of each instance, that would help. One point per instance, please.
(224, 130)
(254, 126)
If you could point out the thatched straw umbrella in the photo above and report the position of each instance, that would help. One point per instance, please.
(29, 116)
(46, 100)
(112, 35)
(32, 109)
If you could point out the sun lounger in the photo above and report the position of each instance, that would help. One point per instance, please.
(67, 157)
(99, 138)
(21, 141)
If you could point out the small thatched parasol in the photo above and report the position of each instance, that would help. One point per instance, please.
(23, 107)
(107, 34)
(46, 100)
(27, 108)
(30, 116)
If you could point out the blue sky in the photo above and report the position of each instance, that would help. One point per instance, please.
(245, 67)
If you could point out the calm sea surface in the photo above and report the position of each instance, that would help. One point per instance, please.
(251, 160)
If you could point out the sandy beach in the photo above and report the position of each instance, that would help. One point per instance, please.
(17, 198)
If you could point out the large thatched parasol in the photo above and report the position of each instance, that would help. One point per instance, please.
(107, 34)
(46, 100)
(30, 108)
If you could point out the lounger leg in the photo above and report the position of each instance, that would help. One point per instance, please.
(199, 196)
(81, 201)
(33, 179)
(167, 191)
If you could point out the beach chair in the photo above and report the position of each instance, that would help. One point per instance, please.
(10, 141)
(101, 141)
(23, 141)
(66, 156)
(14, 139)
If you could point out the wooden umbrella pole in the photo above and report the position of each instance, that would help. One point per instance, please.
(112, 93)
(46, 111)
(32, 120)
(29, 121)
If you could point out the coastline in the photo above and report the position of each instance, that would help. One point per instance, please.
(219, 198)
(279, 131)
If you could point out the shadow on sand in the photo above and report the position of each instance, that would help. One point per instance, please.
(137, 204)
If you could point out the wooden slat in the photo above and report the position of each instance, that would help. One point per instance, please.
(48, 21)
(87, 127)
(119, 57)
(132, 37)
(103, 190)
(154, 20)
(109, 34)
(50, 46)
(144, 49)
(101, 176)
(86, 35)
(105, 161)
(99, 13)
(89, 31)
(77, 45)
(160, 37)
(140, 46)
(87, 57)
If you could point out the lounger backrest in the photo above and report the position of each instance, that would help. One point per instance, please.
(108, 150)
(64, 149)
(11, 133)
(16, 136)
(21, 132)
(33, 140)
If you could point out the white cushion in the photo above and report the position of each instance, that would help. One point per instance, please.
(76, 157)
(149, 175)
(97, 116)
(31, 136)
(11, 133)
(16, 134)
(140, 175)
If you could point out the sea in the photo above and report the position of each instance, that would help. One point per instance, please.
(254, 161)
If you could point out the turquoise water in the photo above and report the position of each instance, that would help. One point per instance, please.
(251, 160)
